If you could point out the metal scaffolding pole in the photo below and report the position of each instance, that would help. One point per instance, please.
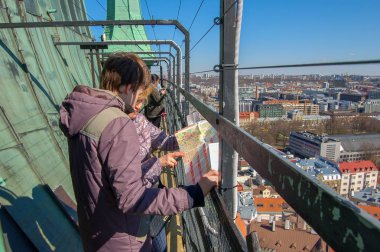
(229, 102)
(162, 59)
(184, 31)
(135, 42)
(172, 76)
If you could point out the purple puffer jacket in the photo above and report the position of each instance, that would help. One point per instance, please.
(152, 138)
(107, 177)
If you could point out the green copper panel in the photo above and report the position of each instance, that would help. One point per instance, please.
(125, 10)
(35, 78)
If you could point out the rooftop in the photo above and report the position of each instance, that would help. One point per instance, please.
(368, 194)
(282, 239)
(269, 205)
(352, 143)
(315, 166)
(372, 210)
(357, 166)
(314, 137)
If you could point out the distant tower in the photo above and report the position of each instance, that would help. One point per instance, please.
(103, 37)
(125, 10)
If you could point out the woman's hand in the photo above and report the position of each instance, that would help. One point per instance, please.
(208, 181)
(170, 159)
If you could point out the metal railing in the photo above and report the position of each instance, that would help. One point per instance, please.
(343, 225)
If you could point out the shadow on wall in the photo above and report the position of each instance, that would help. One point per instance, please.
(35, 222)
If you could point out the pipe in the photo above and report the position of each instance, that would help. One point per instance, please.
(148, 42)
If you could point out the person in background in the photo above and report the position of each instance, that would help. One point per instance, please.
(155, 106)
(105, 163)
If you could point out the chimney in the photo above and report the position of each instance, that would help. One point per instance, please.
(287, 224)
(274, 225)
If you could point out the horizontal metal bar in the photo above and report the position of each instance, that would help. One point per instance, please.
(94, 47)
(343, 225)
(92, 23)
(337, 63)
(119, 42)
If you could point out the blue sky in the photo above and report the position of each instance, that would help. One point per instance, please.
(276, 32)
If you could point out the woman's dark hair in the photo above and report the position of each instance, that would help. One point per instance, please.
(154, 78)
(124, 69)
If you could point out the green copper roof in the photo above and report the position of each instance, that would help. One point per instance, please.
(125, 10)
(35, 78)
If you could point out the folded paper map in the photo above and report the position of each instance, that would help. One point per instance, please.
(194, 140)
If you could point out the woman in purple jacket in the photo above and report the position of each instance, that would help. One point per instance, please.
(105, 164)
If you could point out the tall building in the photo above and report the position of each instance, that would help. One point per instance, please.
(352, 97)
(357, 175)
(372, 105)
(270, 110)
(245, 105)
(309, 145)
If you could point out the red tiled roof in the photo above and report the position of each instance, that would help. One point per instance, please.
(372, 210)
(241, 225)
(357, 166)
(243, 163)
(269, 205)
(282, 240)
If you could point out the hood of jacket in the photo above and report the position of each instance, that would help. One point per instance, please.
(82, 104)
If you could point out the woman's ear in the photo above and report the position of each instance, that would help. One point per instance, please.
(125, 89)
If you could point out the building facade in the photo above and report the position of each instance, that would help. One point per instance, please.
(270, 110)
(307, 145)
(357, 175)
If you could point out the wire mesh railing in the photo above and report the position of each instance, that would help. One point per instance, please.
(207, 228)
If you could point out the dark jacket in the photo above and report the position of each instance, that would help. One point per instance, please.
(106, 173)
(155, 105)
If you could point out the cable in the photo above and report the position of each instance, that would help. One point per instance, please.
(206, 71)
(228, 9)
(101, 5)
(151, 18)
(179, 8)
(209, 29)
(360, 62)
(195, 16)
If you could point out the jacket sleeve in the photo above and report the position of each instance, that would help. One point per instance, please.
(159, 139)
(151, 170)
(118, 152)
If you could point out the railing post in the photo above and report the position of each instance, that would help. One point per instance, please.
(229, 100)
